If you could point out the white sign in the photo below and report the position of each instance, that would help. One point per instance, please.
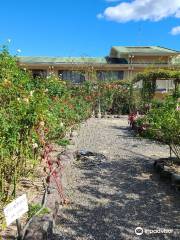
(16, 209)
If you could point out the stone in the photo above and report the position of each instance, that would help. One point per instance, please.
(74, 134)
(159, 167)
(175, 179)
(166, 174)
(90, 157)
(167, 168)
(41, 228)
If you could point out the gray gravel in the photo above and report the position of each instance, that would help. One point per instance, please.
(109, 200)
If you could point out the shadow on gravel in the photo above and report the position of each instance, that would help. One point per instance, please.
(126, 132)
(125, 129)
(120, 196)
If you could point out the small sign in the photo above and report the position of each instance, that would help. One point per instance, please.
(16, 209)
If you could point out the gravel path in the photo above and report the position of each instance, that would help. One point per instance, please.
(111, 199)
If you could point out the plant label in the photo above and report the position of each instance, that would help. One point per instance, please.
(16, 209)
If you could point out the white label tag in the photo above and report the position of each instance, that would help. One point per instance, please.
(16, 209)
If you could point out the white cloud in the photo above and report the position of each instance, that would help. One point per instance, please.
(175, 30)
(178, 14)
(136, 10)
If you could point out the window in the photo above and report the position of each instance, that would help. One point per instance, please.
(110, 75)
(117, 60)
(73, 76)
(39, 73)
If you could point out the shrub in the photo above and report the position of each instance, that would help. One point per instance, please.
(29, 109)
(164, 124)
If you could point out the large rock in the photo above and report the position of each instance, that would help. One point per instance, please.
(175, 179)
(166, 174)
(41, 228)
(90, 158)
(159, 167)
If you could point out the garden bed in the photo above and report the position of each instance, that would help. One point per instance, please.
(41, 223)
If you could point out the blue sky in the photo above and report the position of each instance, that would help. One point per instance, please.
(87, 28)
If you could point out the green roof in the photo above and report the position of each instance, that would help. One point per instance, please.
(116, 52)
(61, 60)
(119, 51)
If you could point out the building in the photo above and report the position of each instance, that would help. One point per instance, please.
(121, 63)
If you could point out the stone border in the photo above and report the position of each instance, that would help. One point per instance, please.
(112, 116)
(41, 228)
(167, 173)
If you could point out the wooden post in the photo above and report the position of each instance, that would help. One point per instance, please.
(99, 109)
(17, 221)
(19, 230)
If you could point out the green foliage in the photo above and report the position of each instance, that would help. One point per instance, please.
(157, 103)
(148, 91)
(164, 124)
(158, 74)
(34, 208)
(114, 97)
(63, 142)
(28, 105)
(149, 79)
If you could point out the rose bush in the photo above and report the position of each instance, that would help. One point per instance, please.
(29, 109)
(163, 124)
(114, 97)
